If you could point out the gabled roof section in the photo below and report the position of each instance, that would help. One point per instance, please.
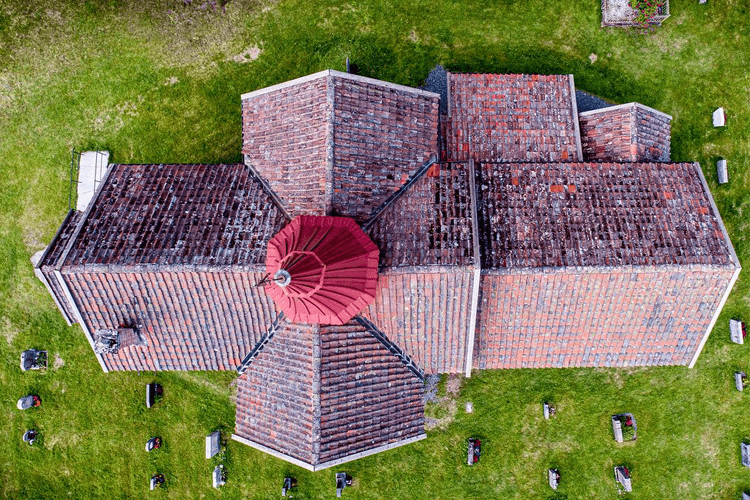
(429, 223)
(598, 214)
(511, 118)
(199, 215)
(333, 143)
(628, 132)
(318, 396)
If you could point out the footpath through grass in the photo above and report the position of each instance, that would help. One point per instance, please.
(159, 81)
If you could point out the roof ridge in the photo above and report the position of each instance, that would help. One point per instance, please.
(276, 325)
(392, 347)
(378, 213)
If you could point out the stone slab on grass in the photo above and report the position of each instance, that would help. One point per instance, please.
(619, 13)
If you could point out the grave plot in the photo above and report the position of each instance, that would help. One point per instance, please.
(624, 427)
(737, 331)
(219, 476)
(154, 393)
(32, 359)
(30, 436)
(342, 481)
(622, 476)
(474, 451)
(619, 13)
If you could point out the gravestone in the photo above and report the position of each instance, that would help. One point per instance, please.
(745, 449)
(739, 380)
(745, 496)
(289, 483)
(622, 476)
(737, 331)
(153, 444)
(721, 171)
(620, 427)
(31, 359)
(553, 475)
(219, 476)
(29, 401)
(213, 444)
(30, 436)
(469, 407)
(156, 480)
(719, 118)
(474, 451)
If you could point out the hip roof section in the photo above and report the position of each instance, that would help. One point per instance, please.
(199, 215)
(338, 144)
(597, 214)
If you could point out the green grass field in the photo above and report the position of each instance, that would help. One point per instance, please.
(159, 81)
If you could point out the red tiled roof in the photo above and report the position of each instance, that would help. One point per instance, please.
(192, 320)
(430, 223)
(629, 132)
(596, 214)
(427, 314)
(328, 393)
(511, 118)
(338, 144)
(610, 316)
(204, 215)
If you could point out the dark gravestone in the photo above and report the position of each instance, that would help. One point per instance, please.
(154, 393)
(156, 480)
(153, 444)
(29, 401)
(30, 436)
(622, 476)
(745, 450)
(289, 483)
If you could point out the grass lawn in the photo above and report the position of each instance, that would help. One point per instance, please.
(159, 81)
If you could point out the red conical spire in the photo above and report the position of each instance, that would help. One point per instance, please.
(325, 269)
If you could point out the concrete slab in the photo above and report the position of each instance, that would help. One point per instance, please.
(92, 167)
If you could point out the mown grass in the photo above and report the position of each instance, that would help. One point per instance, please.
(156, 81)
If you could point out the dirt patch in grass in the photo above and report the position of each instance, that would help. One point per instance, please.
(58, 362)
(7, 330)
(250, 54)
(440, 411)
